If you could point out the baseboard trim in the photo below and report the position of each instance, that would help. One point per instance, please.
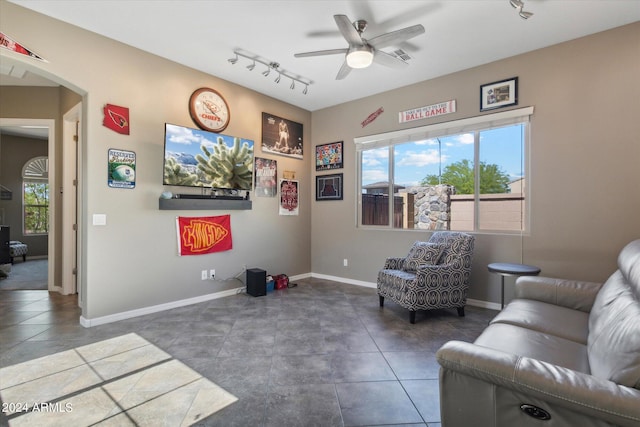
(484, 304)
(344, 280)
(88, 323)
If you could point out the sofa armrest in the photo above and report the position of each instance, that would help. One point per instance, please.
(558, 386)
(574, 294)
(394, 263)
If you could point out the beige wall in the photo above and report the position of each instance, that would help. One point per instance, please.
(583, 142)
(584, 158)
(132, 262)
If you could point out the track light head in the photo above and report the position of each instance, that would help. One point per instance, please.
(250, 67)
(306, 88)
(234, 60)
(516, 3)
(293, 84)
(266, 72)
(277, 80)
(525, 15)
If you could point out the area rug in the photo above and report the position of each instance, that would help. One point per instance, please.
(28, 275)
(123, 381)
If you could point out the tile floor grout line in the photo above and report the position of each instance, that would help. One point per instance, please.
(92, 387)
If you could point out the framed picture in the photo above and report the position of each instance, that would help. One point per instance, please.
(329, 187)
(281, 136)
(499, 94)
(122, 169)
(266, 175)
(329, 156)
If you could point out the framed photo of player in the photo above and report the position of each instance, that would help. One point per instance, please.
(329, 156)
(281, 136)
(329, 187)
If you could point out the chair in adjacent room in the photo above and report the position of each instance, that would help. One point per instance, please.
(433, 275)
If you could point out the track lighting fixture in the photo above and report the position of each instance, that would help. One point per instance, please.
(519, 4)
(271, 65)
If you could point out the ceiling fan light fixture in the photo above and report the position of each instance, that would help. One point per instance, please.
(360, 57)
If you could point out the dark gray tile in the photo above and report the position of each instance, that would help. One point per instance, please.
(371, 403)
(290, 370)
(303, 405)
(413, 365)
(355, 367)
(249, 343)
(426, 396)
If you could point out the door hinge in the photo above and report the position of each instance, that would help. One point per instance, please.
(74, 271)
(75, 138)
(75, 227)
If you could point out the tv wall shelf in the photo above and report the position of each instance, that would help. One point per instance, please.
(204, 204)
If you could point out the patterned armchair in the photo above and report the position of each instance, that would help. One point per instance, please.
(435, 274)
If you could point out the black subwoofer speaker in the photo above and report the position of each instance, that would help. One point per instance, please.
(256, 282)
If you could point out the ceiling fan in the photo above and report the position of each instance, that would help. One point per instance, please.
(362, 52)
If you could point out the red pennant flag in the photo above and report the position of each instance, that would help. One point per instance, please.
(116, 118)
(9, 43)
(204, 235)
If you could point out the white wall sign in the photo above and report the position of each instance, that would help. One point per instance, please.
(428, 111)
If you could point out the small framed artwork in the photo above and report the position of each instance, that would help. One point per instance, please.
(281, 136)
(122, 169)
(329, 156)
(499, 94)
(329, 187)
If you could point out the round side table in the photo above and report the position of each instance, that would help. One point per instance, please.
(508, 269)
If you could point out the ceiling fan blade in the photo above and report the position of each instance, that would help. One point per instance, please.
(388, 60)
(321, 53)
(344, 71)
(395, 37)
(348, 31)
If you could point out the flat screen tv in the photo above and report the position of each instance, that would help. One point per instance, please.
(197, 158)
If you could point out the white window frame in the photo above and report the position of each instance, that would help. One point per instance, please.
(472, 124)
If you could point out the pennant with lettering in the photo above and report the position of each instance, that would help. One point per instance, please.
(8, 43)
(116, 118)
(204, 234)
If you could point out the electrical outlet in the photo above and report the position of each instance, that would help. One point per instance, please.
(203, 275)
(212, 274)
(345, 262)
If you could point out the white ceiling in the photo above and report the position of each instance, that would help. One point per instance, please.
(459, 35)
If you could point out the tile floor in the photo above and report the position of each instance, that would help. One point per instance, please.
(320, 354)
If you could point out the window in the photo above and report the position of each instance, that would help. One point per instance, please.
(35, 196)
(466, 175)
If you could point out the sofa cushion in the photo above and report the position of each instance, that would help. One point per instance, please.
(547, 318)
(614, 333)
(422, 253)
(536, 345)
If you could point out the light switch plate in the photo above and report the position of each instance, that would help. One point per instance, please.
(99, 219)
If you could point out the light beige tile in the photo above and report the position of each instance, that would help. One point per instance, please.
(52, 387)
(209, 399)
(111, 347)
(129, 361)
(183, 406)
(81, 410)
(38, 368)
(150, 383)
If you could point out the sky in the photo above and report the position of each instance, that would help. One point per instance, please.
(415, 160)
(182, 139)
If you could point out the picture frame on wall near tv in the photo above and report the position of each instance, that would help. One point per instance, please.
(329, 156)
(329, 187)
(202, 159)
(281, 136)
